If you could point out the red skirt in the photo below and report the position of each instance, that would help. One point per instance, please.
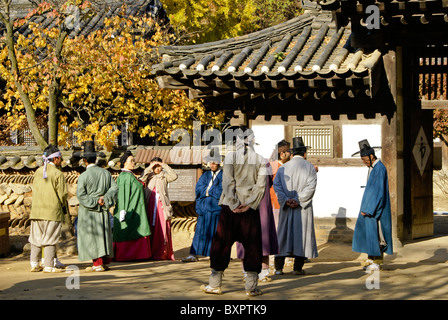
(161, 240)
(137, 249)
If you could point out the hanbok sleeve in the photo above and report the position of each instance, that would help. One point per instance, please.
(259, 189)
(110, 198)
(84, 198)
(61, 189)
(229, 183)
(123, 195)
(374, 198)
(278, 187)
(307, 193)
(170, 174)
(201, 186)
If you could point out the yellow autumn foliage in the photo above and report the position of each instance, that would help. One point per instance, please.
(105, 81)
(212, 20)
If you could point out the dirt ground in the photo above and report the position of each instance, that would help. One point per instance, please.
(416, 271)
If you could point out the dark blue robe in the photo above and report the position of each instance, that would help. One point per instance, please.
(376, 204)
(208, 212)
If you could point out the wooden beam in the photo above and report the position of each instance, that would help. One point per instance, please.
(240, 85)
(200, 83)
(258, 84)
(197, 94)
(167, 82)
(217, 93)
(222, 85)
(278, 84)
(434, 104)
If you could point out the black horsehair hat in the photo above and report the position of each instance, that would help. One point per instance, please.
(89, 151)
(297, 144)
(365, 149)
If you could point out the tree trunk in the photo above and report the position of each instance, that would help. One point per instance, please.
(30, 113)
(54, 91)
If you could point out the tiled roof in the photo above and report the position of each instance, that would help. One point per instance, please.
(401, 12)
(172, 155)
(406, 23)
(304, 56)
(106, 9)
(21, 159)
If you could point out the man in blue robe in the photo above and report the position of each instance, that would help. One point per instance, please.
(208, 192)
(373, 229)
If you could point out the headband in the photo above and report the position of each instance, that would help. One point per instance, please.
(46, 160)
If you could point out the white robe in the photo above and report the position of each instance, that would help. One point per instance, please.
(296, 179)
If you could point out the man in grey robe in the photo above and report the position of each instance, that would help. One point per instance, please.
(295, 184)
(243, 188)
(97, 193)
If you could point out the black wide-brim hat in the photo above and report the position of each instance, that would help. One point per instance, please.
(365, 149)
(297, 144)
(89, 150)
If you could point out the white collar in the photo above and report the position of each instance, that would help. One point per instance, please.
(91, 165)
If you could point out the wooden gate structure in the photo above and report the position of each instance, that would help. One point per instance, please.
(330, 62)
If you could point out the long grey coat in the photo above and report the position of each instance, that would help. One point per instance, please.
(296, 179)
(94, 229)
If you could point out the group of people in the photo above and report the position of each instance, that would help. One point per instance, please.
(141, 227)
(265, 207)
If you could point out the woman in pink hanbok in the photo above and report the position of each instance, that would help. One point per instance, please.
(156, 178)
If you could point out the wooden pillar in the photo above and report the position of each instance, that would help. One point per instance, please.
(241, 119)
(392, 144)
(418, 220)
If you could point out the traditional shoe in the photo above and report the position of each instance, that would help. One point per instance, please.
(208, 289)
(52, 270)
(299, 272)
(190, 258)
(96, 269)
(253, 293)
(279, 272)
(366, 263)
(58, 264)
(265, 279)
(36, 269)
(373, 267)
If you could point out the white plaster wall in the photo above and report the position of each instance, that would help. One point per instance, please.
(339, 191)
(353, 133)
(267, 137)
(338, 188)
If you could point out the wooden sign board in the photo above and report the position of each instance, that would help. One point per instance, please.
(183, 189)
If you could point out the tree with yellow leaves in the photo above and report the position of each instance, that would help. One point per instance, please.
(210, 20)
(30, 64)
(203, 21)
(107, 81)
(90, 83)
